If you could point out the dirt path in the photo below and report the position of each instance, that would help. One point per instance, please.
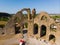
(11, 41)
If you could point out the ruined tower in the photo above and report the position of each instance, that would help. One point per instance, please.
(31, 23)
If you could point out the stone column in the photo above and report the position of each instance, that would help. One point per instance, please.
(30, 24)
(47, 33)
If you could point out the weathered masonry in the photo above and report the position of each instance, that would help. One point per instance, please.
(41, 26)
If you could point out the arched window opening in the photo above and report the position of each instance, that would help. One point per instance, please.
(53, 27)
(35, 31)
(43, 31)
(44, 18)
(52, 37)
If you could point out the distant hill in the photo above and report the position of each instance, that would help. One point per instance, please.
(4, 14)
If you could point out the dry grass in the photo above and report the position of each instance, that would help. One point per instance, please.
(3, 22)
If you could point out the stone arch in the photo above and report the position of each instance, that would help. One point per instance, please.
(52, 37)
(19, 15)
(27, 10)
(43, 30)
(44, 15)
(35, 30)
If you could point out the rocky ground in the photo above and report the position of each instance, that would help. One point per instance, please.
(14, 40)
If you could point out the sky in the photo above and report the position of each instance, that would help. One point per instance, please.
(13, 6)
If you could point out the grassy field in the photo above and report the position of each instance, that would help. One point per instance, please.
(3, 22)
(55, 17)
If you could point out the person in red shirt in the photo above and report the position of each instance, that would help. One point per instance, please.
(22, 42)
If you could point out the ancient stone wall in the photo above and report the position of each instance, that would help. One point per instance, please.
(38, 23)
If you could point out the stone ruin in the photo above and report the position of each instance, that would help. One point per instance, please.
(41, 26)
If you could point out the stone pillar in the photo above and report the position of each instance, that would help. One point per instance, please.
(29, 13)
(33, 13)
(30, 24)
(30, 28)
(47, 33)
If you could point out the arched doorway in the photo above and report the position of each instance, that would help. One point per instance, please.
(52, 37)
(43, 31)
(17, 28)
(35, 31)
